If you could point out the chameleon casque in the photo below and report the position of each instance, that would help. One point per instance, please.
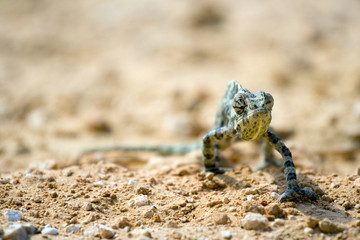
(242, 116)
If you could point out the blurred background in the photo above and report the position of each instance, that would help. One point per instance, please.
(78, 74)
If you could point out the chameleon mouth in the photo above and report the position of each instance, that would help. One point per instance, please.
(260, 127)
(258, 113)
(255, 123)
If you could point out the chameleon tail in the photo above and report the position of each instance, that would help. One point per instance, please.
(161, 149)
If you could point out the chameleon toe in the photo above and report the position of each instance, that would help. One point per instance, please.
(298, 193)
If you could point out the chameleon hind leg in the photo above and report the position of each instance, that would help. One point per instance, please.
(267, 157)
(293, 189)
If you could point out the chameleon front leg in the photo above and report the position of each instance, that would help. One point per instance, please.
(293, 189)
(210, 149)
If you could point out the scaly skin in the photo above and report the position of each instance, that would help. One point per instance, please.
(246, 116)
(242, 115)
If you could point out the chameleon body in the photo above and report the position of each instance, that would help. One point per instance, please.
(242, 115)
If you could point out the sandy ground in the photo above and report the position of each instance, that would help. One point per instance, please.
(80, 74)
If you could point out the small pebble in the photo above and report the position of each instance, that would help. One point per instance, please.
(105, 232)
(147, 233)
(357, 206)
(171, 224)
(149, 214)
(15, 231)
(176, 235)
(30, 229)
(143, 190)
(13, 216)
(37, 199)
(34, 213)
(48, 230)
(279, 222)
(74, 206)
(209, 176)
(100, 183)
(255, 221)
(123, 222)
(226, 234)
(132, 182)
(275, 195)
(183, 219)
(222, 219)
(87, 206)
(308, 230)
(347, 205)
(67, 172)
(275, 209)
(141, 201)
(250, 197)
(72, 228)
(326, 226)
(232, 209)
(53, 194)
(4, 180)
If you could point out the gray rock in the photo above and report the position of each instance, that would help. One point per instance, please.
(29, 228)
(15, 232)
(72, 228)
(48, 230)
(13, 216)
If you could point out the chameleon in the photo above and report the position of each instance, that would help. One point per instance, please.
(242, 116)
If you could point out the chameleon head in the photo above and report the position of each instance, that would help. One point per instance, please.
(253, 113)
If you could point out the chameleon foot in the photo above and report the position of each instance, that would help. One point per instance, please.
(219, 170)
(294, 193)
(266, 164)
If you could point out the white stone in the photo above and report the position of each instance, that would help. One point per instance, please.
(99, 183)
(308, 230)
(141, 201)
(232, 209)
(279, 221)
(250, 197)
(275, 195)
(132, 182)
(48, 230)
(255, 221)
(226, 234)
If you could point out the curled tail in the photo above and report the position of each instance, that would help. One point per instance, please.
(161, 149)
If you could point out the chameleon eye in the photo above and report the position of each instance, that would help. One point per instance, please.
(269, 100)
(239, 104)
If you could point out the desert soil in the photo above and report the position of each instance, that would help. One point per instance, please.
(80, 74)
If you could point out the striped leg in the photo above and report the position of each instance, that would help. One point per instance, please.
(293, 189)
(210, 149)
(268, 157)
